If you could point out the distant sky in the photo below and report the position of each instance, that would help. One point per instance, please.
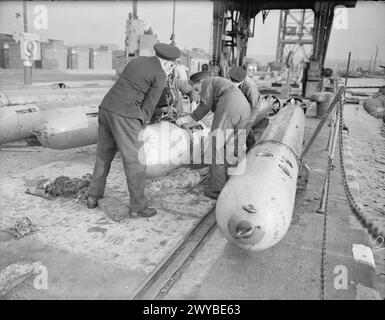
(104, 22)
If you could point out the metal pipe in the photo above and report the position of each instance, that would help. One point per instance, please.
(25, 16)
(364, 87)
(335, 135)
(135, 9)
(27, 65)
(323, 120)
(173, 24)
(331, 150)
(347, 69)
(330, 136)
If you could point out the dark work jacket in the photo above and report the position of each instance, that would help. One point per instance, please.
(138, 89)
(185, 88)
(250, 90)
(220, 95)
(180, 87)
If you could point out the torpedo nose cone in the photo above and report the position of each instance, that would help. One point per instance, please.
(245, 232)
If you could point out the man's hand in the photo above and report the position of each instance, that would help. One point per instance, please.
(193, 106)
(183, 120)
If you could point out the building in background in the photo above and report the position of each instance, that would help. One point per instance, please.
(101, 58)
(78, 58)
(56, 55)
(53, 55)
(138, 42)
(197, 58)
(118, 60)
(9, 52)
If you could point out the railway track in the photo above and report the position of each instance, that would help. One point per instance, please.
(168, 271)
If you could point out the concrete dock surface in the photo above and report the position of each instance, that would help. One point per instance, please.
(14, 78)
(88, 256)
(291, 269)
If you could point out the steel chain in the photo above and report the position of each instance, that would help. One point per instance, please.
(374, 230)
(330, 167)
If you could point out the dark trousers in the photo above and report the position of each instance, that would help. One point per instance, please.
(120, 132)
(218, 170)
(250, 140)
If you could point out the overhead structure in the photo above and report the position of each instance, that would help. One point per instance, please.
(233, 24)
(295, 34)
(234, 21)
(138, 41)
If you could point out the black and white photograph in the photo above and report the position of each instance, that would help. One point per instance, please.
(189, 156)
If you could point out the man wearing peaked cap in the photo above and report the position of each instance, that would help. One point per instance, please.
(166, 51)
(237, 74)
(231, 115)
(123, 113)
(249, 89)
(247, 85)
(199, 76)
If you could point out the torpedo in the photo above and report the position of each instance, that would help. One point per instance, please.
(255, 207)
(17, 122)
(165, 146)
(375, 107)
(37, 96)
(66, 128)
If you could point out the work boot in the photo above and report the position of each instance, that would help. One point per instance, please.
(92, 202)
(145, 213)
(211, 194)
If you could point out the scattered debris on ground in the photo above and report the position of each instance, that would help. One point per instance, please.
(66, 187)
(22, 227)
(16, 273)
(185, 179)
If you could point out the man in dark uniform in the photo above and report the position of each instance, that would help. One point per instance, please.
(249, 89)
(173, 95)
(231, 111)
(182, 87)
(123, 113)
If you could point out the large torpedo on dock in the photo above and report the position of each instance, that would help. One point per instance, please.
(164, 146)
(254, 209)
(21, 121)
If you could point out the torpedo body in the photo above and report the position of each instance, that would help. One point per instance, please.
(375, 107)
(18, 122)
(255, 207)
(38, 96)
(66, 128)
(167, 146)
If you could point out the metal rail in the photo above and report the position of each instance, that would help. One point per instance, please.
(364, 87)
(163, 277)
(336, 99)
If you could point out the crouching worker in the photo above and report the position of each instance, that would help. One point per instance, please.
(171, 99)
(231, 113)
(123, 113)
(249, 89)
